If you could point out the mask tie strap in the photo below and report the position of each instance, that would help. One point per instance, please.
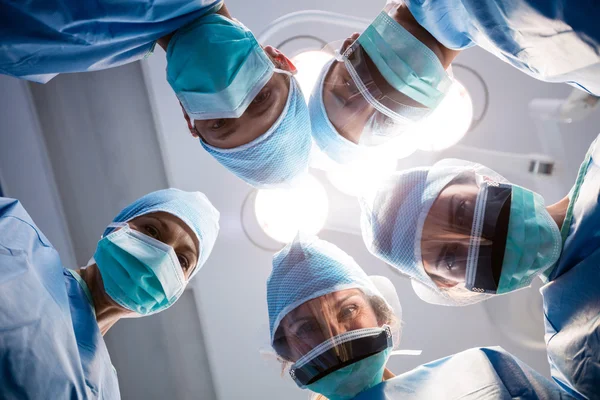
(405, 352)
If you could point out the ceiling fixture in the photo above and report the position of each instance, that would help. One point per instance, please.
(279, 214)
(309, 65)
(448, 123)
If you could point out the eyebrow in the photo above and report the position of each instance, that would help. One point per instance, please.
(227, 134)
(451, 211)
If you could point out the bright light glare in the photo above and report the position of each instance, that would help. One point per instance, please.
(360, 178)
(448, 123)
(309, 65)
(282, 213)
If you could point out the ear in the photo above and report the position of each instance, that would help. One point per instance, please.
(191, 127)
(349, 40)
(280, 60)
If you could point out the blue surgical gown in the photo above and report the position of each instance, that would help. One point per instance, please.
(42, 38)
(572, 298)
(479, 373)
(551, 40)
(50, 343)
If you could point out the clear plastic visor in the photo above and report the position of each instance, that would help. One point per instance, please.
(360, 102)
(335, 330)
(464, 233)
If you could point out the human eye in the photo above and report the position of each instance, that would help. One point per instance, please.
(218, 124)
(348, 312)
(305, 329)
(450, 258)
(262, 97)
(183, 261)
(151, 231)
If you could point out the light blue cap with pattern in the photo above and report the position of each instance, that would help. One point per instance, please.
(280, 156)
(392, 225)
(392, 222)
(193, 208)
(327, 138)
(309, 268)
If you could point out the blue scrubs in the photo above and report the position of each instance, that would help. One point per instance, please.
(480, 373)
(572, 298)
(43, 38)
(50, 344)
(551, 40)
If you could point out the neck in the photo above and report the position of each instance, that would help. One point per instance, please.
(558, 211)
(387, 374)
(402, 15)
(107, 311)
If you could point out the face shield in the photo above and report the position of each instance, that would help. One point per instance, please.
(322, 337)
(480, 235)
(333, 335)
(332, 326)
(381, 84)
(465, 232)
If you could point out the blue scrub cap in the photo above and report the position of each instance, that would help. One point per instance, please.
(193, 208)
(309, 268)
(392, 223)
(279, 156)
(334, 145)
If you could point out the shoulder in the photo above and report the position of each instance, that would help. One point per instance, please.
(17, 229)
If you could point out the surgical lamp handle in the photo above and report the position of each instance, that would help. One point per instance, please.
(311, 16)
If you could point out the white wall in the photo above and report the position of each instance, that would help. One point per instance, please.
(102, 145)
(25, 170)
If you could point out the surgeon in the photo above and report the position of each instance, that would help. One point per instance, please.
(463, 234)
(239, 98)
(388, 80)
(334, 328)
(52, 318)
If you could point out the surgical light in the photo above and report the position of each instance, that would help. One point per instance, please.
(282, 213)
(309, 65)
(361, 177)
(448, 123)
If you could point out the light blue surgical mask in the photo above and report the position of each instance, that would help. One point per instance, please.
(139, 273)
(407, 65)
(525, 240)
(533, 244)
(347, 382)
(216, 67)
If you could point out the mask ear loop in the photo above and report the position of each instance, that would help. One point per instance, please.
(405, 352)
